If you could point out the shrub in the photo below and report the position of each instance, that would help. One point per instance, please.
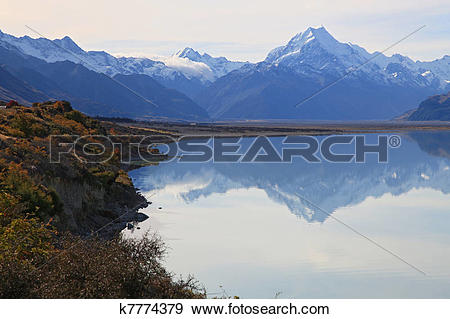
(76, 116)
(28, 126)
(95, 268)
(26, 241)
(18, 187)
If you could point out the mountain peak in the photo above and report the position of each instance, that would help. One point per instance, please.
(189, 53)
(313, 31)
(319, 34)
(68, 44)
(216, 66)
(67, 39)
(318, 48)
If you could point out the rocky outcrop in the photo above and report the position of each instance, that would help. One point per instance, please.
(90, 208)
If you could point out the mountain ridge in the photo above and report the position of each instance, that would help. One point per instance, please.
(170, 75)
(94, 93)
(312, 60)
(272, 89)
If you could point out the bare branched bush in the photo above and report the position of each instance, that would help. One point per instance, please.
(97, 268)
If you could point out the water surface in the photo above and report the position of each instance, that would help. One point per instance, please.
(264, 229)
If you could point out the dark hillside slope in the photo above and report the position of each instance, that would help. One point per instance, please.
(435, 108)
(12, 88)
(174, 102)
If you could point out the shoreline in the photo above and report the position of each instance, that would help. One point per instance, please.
(252, 128)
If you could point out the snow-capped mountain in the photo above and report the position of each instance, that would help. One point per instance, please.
(66, 49)
(184, 71)
(219, 66)
(382, 88)
(375, 86)
(316, 48)
(28, 79)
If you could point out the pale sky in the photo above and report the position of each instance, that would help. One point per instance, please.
(239, 30)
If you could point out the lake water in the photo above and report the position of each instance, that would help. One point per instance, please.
(309, 230)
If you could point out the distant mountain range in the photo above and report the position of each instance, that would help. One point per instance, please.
(186, 71)
(194, 86)
(313, 59)
(28, 79)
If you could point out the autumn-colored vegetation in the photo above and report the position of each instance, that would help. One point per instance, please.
(49, 214)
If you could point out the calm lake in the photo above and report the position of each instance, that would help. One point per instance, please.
(308, 230)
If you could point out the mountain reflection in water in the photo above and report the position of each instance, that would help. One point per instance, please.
(262, 228)
(328, 185)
